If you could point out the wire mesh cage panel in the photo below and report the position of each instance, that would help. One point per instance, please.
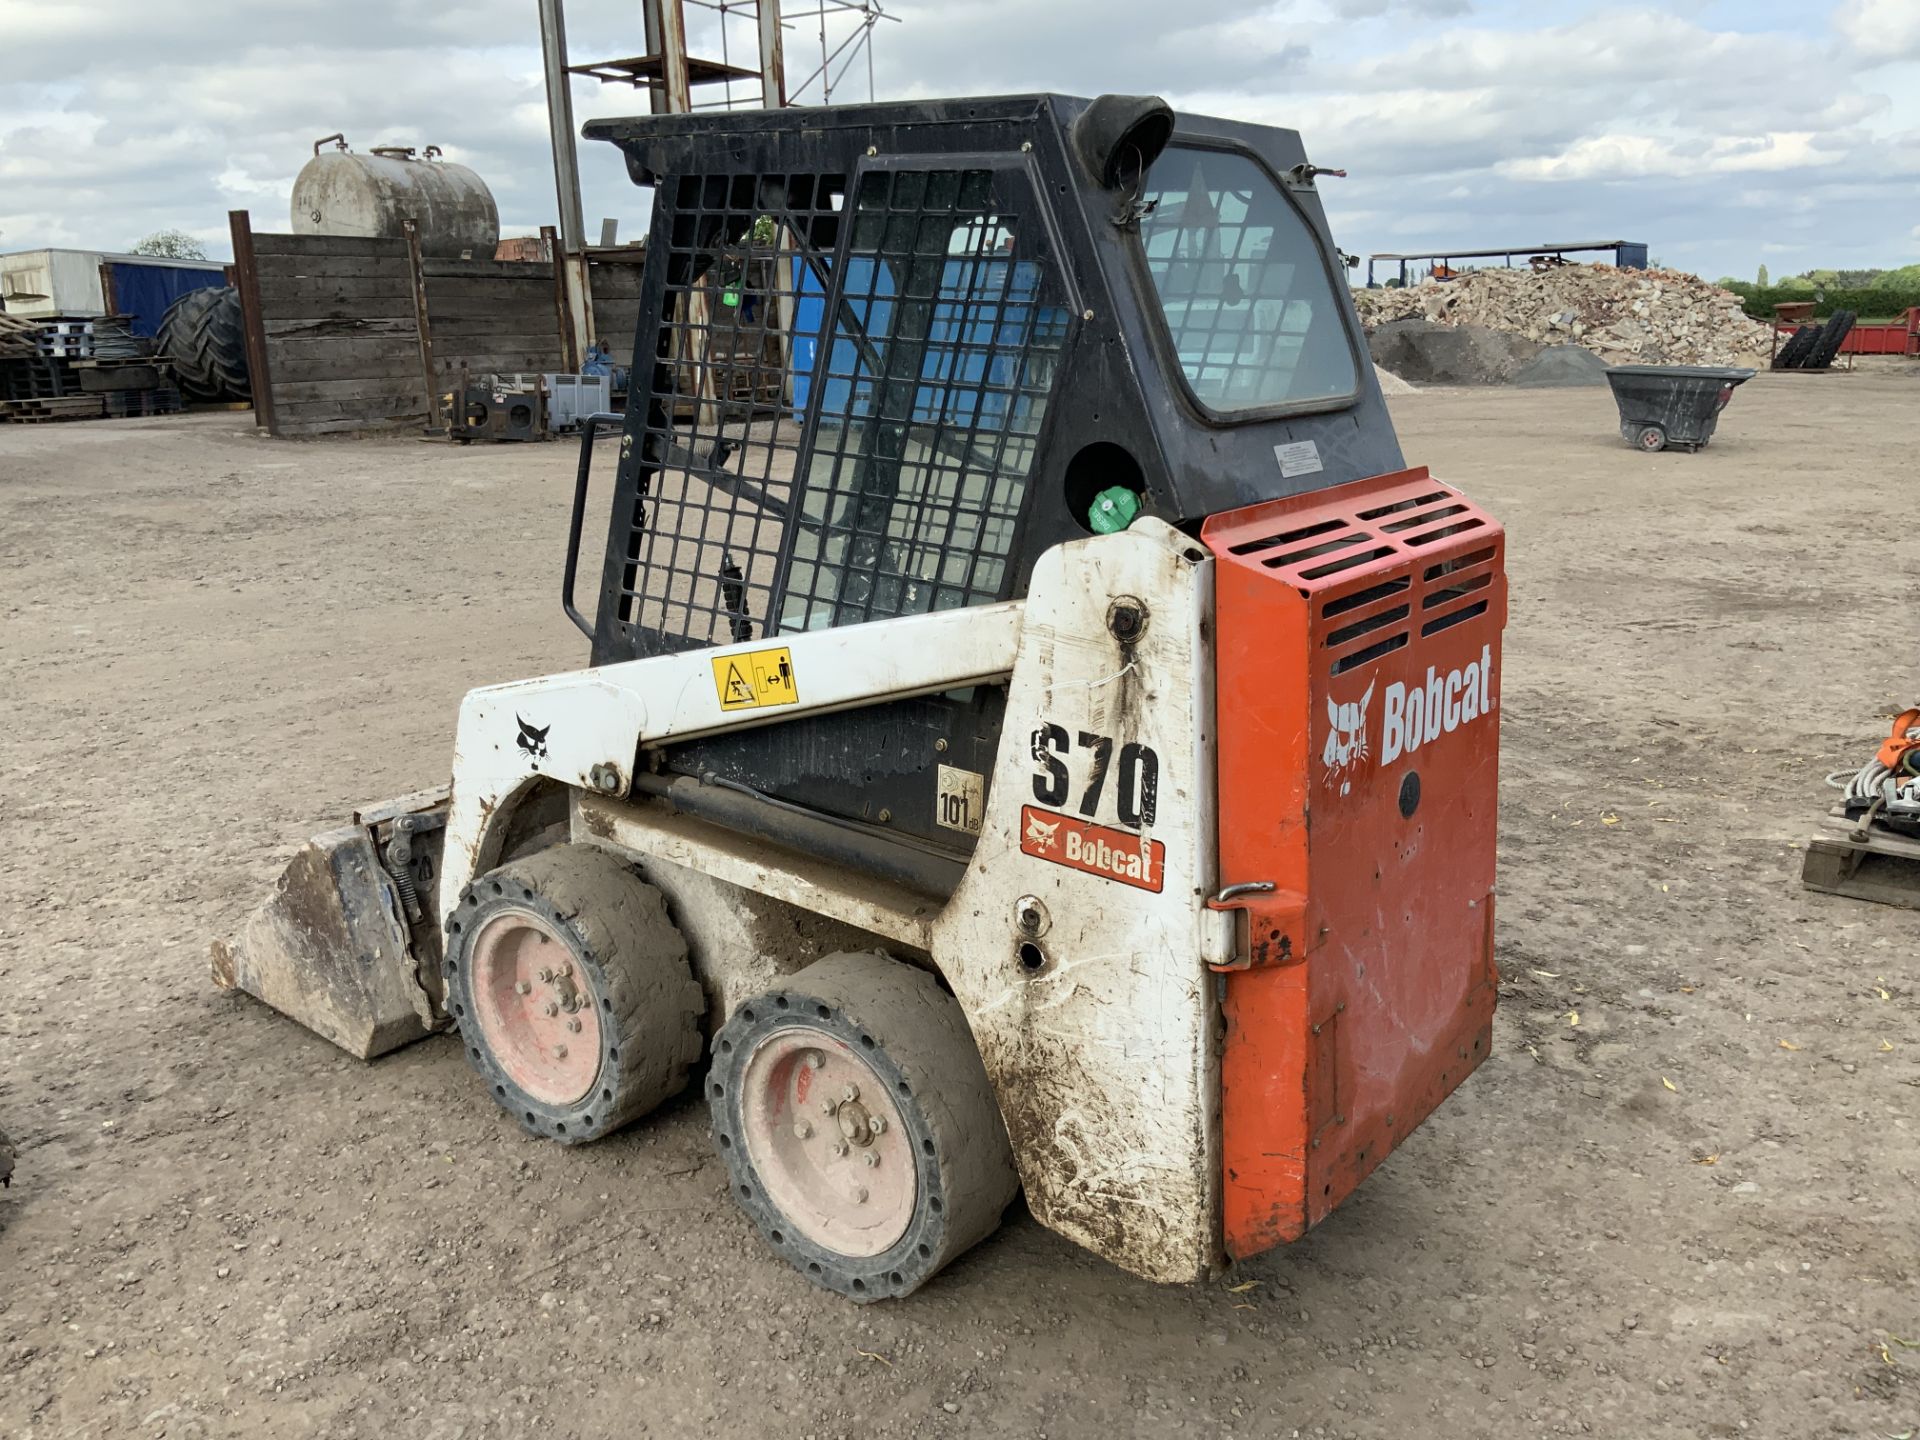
(933, 391)
(847, 399)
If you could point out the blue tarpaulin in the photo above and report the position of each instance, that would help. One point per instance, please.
(142, 293)
(985, 314)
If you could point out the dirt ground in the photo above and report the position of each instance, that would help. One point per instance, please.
(1696, 1212)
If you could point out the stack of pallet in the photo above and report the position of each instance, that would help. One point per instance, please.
(66, 368)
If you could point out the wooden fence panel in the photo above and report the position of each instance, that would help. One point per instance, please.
(338, 325)
(336, 321)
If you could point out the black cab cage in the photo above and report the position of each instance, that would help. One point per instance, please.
(888, 354)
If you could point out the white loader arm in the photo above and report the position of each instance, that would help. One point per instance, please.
(584, 728)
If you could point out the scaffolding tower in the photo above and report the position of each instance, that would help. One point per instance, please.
(754, 31)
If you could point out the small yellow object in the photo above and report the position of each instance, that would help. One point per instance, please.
(1242, 1288)
(1609, 819)
(1788, 1045)
(1886, 1045)
(1669, 1084)
(1707, 1160)
(1573, 1017)
(750, 679)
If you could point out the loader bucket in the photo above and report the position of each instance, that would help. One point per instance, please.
(348, 944)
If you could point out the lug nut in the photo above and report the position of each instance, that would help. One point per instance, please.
(546, 977)
(815, 1060)
(872, 1158)
(850, 1094)
(803, 1130)
(827, 1107)
(552, 1009)
(522, 988)
(860, 1196)
(839, 1147)
(878, 1124)
(559, 1052)
(574, 1026)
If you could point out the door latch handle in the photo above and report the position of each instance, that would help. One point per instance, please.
(1269, 924)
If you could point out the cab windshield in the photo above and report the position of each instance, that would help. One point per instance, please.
(1240, 279)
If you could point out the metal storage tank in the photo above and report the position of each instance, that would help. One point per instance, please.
(341, 193)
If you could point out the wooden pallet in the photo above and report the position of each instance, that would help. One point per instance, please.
(68, 407)
(1879, 865)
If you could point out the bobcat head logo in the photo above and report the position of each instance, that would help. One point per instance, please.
(532, 741)
(1040, 833)
(1347, 739)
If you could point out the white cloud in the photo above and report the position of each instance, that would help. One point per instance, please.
(1501, 122)
(1880, 30)
(1632, 157)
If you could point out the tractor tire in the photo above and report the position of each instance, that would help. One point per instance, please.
(858, 1126)
(203, 336)
(1832, 335)
(572, 992)
(1795, 350)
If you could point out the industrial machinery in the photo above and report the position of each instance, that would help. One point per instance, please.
(340, 193)
(496, 407)
(1870, 847)
(1056, 750)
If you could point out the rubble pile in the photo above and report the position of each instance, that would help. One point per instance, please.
(1645, 317)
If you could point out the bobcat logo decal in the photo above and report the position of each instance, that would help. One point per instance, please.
(1347, 738)
(532, 741)
(1041, 834)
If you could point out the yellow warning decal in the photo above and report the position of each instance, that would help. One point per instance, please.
(754, 679)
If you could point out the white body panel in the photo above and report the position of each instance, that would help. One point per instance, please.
(596, 720)
(1081, 963)
(1103, 1058)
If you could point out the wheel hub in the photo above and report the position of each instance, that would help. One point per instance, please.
(848, 1185)
(534, 1009)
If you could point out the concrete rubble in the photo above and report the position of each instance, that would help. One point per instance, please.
(1649, 317)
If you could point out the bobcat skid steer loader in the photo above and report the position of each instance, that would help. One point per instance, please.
(1038, 731)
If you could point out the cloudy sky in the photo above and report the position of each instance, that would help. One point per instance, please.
(1725, 133)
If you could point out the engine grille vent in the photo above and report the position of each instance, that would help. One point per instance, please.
(1377, 559)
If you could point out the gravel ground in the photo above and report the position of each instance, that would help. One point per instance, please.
(1692, 1213)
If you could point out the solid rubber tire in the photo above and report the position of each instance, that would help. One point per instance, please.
(617, 931)
(915, 1037)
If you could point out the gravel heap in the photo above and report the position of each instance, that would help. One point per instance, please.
(1659, 317)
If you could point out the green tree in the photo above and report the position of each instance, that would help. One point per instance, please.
(170, 244)
(1907, 277)
(1761, 280)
